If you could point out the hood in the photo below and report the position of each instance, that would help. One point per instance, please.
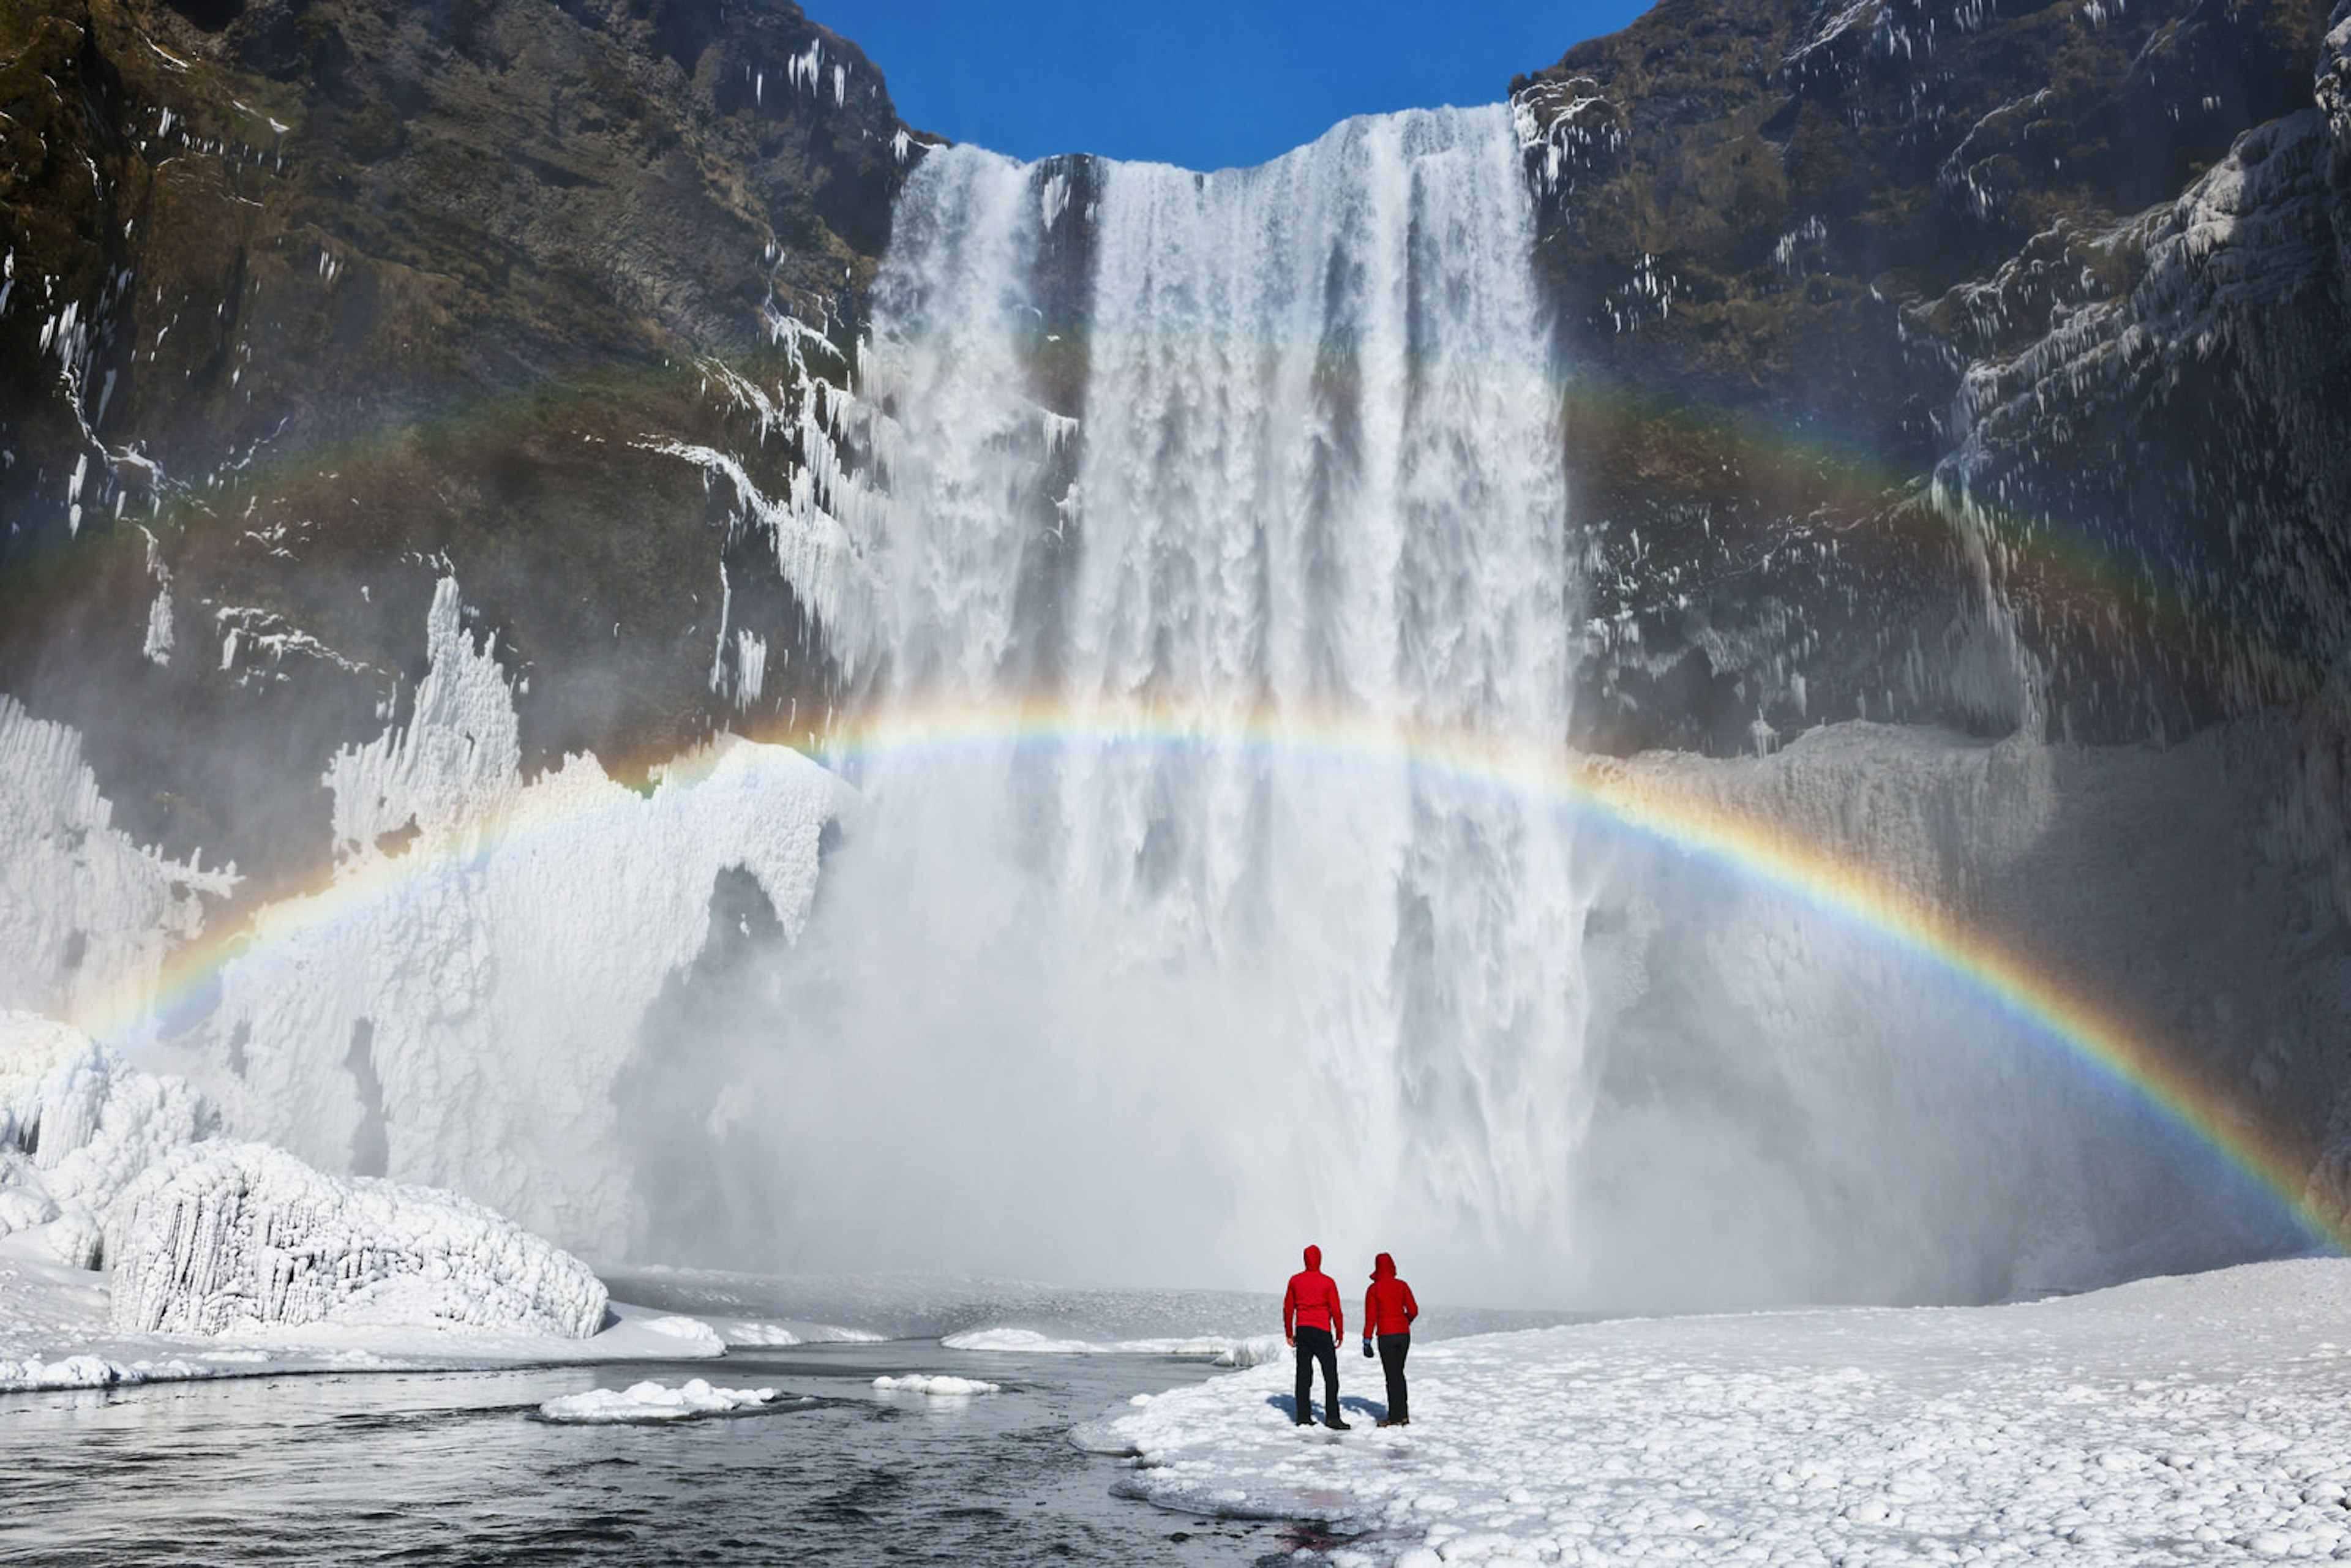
(1383, 1266)
(1314, 1258)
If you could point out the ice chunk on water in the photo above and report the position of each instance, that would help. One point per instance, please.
(650, 1401)
(228, 1236)
(942, 1385)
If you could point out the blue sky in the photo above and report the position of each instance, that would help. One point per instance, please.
(1208, 83)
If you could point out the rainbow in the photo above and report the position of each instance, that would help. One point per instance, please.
(1649, 806)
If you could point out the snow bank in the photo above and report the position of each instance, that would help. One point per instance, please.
(86, 915)
(75, 1127)
(2168, 1420)
(940, 1386)
(753, 1333)
(1223, 1350)
(456, 1008)
(228, 1236)
(695, 1337)
(651, 1401)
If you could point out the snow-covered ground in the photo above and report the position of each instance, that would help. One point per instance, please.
(2194, 1419)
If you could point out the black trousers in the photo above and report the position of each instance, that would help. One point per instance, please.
(1394, 1348)
(1314, 1345)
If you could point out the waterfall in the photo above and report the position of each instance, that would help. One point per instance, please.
(1203, 516)
(1309, 472)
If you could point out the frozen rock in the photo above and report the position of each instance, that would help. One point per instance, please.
(76, 1126)
(230, 1236)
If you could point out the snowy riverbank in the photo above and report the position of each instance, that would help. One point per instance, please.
(2193, 1419)
(56, 1332)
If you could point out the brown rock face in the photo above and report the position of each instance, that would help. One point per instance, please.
(1805, 254)
(309, 300)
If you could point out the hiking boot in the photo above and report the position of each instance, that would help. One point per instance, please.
(1338, 1426)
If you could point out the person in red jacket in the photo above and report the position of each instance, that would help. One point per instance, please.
(1313, 1321)
(1388, 1311)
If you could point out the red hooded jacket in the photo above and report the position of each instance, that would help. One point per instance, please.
(1388, 1306)
(1312, 1299)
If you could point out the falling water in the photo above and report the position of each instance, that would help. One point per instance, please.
(1311, 467)
(1160, 986)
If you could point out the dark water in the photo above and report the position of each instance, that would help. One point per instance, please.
(382, 1468)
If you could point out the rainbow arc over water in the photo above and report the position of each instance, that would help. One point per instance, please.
(1645, 805)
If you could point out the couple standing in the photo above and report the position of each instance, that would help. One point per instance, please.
(1313, 1320)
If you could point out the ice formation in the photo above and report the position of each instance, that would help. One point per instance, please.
(650, 1401)
(87, 916)
(76, 1128)
(2171, 1420)
(939, 1385)
(103, 1162)
(225, 1236)
(455, 1008)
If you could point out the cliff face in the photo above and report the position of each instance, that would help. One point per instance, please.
(1968, 362)
(306, 299)
(1927, 359)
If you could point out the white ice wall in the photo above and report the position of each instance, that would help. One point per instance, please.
(501, 959)
(86, 915)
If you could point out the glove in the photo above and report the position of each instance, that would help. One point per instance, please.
(1367, 1348)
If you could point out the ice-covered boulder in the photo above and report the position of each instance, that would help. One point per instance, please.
(230, 1236)
(76, 1126)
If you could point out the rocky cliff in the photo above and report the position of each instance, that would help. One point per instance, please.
(1927, 359)
(1976, 362)
(304, 302)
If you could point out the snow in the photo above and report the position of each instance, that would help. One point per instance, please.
(650, 1401)
(750, 1331)
(2182, 1419)
(223, 1235)
(938, 1385)
(1224, 1350)
(693, 1331)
